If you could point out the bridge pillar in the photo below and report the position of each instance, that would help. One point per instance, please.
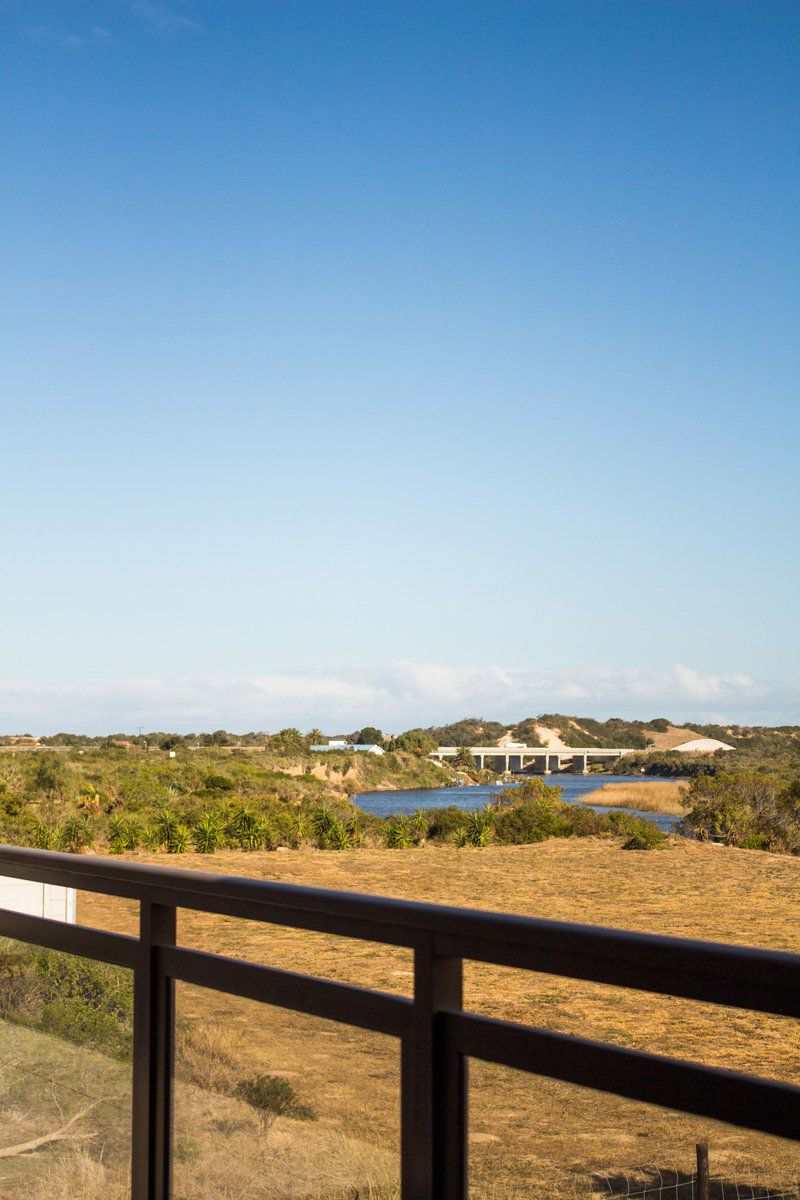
(580, 764)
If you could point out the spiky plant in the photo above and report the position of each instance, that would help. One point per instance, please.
(74, 835)
(44, 836)
(299, 829)
(420, 824)
(167, 822)
(479, 827)
(208, 834)
(322, 820)
(124, 833)
(151, 838)
(397, 833)
(355, 830)
(181, 840)
(337, 836)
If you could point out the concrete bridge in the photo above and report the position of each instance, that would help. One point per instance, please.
(534, 760)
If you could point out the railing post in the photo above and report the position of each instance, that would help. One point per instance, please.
(433, 1086)
(153, 1054)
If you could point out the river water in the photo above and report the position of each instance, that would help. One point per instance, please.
(575, 789)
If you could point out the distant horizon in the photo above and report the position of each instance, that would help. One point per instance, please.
(394, 697)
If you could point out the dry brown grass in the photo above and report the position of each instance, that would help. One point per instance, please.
(526, 1131)
(655, 796)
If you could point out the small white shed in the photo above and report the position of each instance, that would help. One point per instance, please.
(38, 899)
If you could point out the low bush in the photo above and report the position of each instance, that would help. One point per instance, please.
(397, 833)
(746, 809)
(208, 833)
(274, 1095)
(86, 1002)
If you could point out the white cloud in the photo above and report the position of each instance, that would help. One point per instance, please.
(67, 38)
(162, 18)
(394, 696)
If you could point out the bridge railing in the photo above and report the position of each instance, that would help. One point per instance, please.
(437, 1036)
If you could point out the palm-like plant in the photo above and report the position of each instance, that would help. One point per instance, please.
(299, 829)
(208, 834)
(74, 835)
(181, 840)
(321, 821)
(337, 836)
(43, 836)
(420, 824)
(355, 831)
(124, 833)
(166, 824)
(397, 833)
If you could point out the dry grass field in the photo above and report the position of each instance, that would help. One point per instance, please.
(655, 796)
(528, 1135)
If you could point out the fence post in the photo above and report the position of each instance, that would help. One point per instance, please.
(702, 1171)
(153, 1054)
(433, 1143)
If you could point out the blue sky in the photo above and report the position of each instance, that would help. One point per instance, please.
(394, 361)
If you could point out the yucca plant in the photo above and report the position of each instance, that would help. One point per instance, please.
(208, 834)
(299, 829)
(397, 833)
(355, 830)
(337, 836)
(44, 836)
(166, 824)
(250, 830)
(462, 838)
(420, 823)
(322, 820)
(124, 833)
(479, 827)
(74, 835)
(181, 840)
(151, 838)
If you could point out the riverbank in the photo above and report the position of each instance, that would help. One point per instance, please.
(587, 790)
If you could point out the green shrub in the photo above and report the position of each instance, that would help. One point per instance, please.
(76, 999)
(397, 833)
(445, 822)
(420, 823)
(44, 836)
(165, 827)
(271, 1094)
(355, 830)
(322, 819)
(478, 829)
(250, 830)
(532, 821)
(208, 834)
(337, 836)
(647, 836)
(75, 835)
(298, 830)
(124, 833)
(181, 841)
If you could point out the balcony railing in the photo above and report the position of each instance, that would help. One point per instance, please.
(437, 1036)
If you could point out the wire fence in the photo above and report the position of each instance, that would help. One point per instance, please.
(655, 1183)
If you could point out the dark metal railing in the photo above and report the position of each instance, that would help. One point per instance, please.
(437, 1037)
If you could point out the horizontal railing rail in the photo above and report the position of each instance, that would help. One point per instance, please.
(437, 1037)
